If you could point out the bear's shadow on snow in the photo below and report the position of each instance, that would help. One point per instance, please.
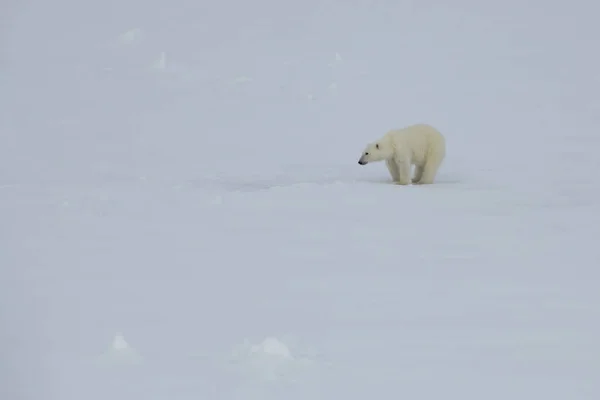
(387, 181)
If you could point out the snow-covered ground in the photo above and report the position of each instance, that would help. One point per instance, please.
(182, 215)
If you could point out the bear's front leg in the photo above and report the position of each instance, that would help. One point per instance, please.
(393, 168)
(418, 174)
(403, 166)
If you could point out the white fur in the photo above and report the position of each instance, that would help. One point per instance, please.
(420, 145)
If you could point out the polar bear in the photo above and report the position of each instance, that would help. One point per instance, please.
(420, 145)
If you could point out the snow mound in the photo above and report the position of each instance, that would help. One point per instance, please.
(272, 347)
(120, 353)
(270, 360)
(131, 37)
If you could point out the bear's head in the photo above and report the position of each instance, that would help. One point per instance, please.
(375, 152)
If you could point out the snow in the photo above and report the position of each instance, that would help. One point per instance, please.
(179, 187)
(120, 352)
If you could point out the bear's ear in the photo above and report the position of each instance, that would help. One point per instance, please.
(377, 146)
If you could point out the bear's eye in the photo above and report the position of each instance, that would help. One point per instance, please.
(367, 153)
(377, 146)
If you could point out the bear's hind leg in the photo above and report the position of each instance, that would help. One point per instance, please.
(404, 172)
(393, 168)
(430, 171)
(418, 174)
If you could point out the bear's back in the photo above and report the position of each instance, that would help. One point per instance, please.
(419, 139)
